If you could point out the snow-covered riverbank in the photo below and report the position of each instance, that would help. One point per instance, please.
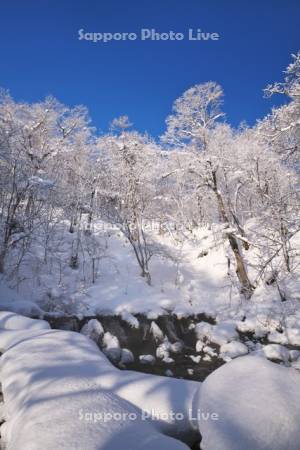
(61, 392)
(55, 383)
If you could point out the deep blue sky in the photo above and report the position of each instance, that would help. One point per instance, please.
(40, 54)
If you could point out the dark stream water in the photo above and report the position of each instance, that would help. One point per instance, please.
(140, 341)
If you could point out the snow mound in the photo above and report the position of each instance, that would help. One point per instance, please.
(61, 392)
(13, 321)
(257, 403)
(275, 352)
(218, 334)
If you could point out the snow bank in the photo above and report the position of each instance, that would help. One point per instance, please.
(13, 321)
(22, 307)
(257, 403)
(59, 390)
(10, 300)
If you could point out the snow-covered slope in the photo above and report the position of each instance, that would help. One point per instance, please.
(189, 275)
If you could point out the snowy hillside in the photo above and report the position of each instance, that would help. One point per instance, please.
(190, 277)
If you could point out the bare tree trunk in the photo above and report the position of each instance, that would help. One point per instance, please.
(139, 244)
(241, 272)
(90, 216)
(246, 286)
(285, 240)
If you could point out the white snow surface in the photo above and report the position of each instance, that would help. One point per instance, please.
(257, 403)
(57, 384)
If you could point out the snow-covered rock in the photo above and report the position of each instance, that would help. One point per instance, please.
(223, 332)
(218, 334)
(293, 335)
(130, 319)
(199, 346)
(256, 325)
(147, 359)
(275, 352)
(156, 332)
(294, 355)
(195, 358)
(277, 338)
(168, 360)
(257, 404)
(112, 347)
(163, 349)
(93, 330)
(176, 347)
(203, 330)
(209, 351)
(233, 350)
(126, 356)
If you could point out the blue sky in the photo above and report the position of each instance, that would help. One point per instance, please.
(40, 54)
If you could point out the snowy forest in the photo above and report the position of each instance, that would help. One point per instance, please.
(58, 176)
(178, 256)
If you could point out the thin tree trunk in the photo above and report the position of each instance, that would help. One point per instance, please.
(90, 216)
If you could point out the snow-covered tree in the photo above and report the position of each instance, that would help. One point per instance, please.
(281, 128)
(195, 113)
(128, 189)
(195, 126)
(37, 147)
